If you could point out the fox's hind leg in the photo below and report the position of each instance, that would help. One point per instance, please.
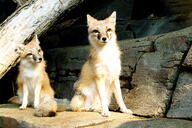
(77, 103)
(83, 100)
(90, 95)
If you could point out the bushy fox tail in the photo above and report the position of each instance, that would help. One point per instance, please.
(14, 100)
(48, 106)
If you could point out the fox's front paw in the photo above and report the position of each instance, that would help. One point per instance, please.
(125, 110)
(22, 107)
(89, 109)
(105, 113)
(35, 106)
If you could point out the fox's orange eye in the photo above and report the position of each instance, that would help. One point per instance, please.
(109, 30)
(95, 31)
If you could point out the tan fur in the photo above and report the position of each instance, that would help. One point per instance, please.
(99, 77)
(33, 82)
(14, 100)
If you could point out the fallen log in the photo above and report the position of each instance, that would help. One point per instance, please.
(32, 17)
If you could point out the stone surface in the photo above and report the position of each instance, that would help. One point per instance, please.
(188, 60)
(12, 117)
(149, 123)
(179, 6)
(150, 26)
(65, 64)
(181, 105)
(181, 102)
(126, 29)
(154, 75)
(153, 17)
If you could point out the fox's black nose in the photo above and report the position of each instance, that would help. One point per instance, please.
(104, 38)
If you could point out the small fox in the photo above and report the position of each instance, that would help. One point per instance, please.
(99, 77)
(34, 87)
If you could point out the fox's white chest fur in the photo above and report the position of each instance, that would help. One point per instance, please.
(110, 64)
(31, 74)
(31, 77)
(30, 71)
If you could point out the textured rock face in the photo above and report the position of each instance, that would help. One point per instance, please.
(64, 67)
(187, 64)
(149, 70)
(135, 19)
(181, 106)
(157, 123)
(155, 73)
(181, 103)
(179, 6)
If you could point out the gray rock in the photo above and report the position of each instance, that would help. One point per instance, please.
(146, 27)
(157, 123)
(52, 41)
(154, 73)
(183, 9)
(125, 34)
(152, 22)
(66, 62)
(181, 105)
(12, 117)
(188, 60)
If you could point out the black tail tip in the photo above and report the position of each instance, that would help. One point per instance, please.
(52, 113)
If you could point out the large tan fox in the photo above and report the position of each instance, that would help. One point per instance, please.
(99, 77)
(33, 83)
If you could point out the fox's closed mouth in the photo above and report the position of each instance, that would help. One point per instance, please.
(103, 42)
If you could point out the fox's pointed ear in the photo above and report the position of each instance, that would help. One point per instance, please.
(90, 20)
(35, 39)
(20, 48)
(112, 18)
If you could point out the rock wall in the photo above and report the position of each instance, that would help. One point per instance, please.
(181, 100)
(135, 19)
(63, 66)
